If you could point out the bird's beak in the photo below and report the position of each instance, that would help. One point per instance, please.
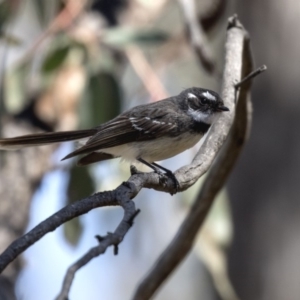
(222, 108)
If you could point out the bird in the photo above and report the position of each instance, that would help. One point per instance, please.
(146, 133)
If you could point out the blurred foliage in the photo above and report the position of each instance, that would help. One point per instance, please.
(61, 49)
(109, 9)
(11, 40)
(45, 9)
(72, 231)
(5, 13)
(122, 37)
(16, 82)
(80, 185)
(55, 59)
(102, 100)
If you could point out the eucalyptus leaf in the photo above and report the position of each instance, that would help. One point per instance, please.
(122, 37)
(72, 231)
(5, 13)
(16, 85)
(55, 59)
(102, 100)
(80, 186)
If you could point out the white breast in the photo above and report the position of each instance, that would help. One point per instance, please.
(155, 150)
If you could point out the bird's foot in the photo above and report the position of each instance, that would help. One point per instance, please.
(134, 170)
(163, 173)
(164, 176)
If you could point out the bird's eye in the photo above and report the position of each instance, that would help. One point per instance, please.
(203, 100)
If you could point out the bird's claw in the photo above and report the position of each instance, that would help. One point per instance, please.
(163, 178)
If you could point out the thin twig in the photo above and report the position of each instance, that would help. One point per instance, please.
(111, 239)
(251, 76)
(146, 73)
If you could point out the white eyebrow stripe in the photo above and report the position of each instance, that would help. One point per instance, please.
(209, 96)
(191, 95)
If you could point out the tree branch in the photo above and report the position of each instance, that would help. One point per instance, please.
(111, 239)
(236, 58)
(146, 73)
(197, 35)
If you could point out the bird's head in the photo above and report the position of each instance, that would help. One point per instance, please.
(202, 105)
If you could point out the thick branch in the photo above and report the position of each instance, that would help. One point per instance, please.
(67, 213)
(235, 60)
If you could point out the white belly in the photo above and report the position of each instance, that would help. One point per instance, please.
(155, 150)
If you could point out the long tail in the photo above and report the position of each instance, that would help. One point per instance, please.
(39, 139)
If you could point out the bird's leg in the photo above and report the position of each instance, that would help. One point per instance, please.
(157, 169)
(170, 174)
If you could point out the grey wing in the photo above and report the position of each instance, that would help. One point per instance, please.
(126, 129)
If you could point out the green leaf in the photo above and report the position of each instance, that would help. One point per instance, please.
(16, 85)
(73, 231)
(102, 100)
(154, 37)
(121, 37)
(55, 59)
(5, 14)
(80, 186)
